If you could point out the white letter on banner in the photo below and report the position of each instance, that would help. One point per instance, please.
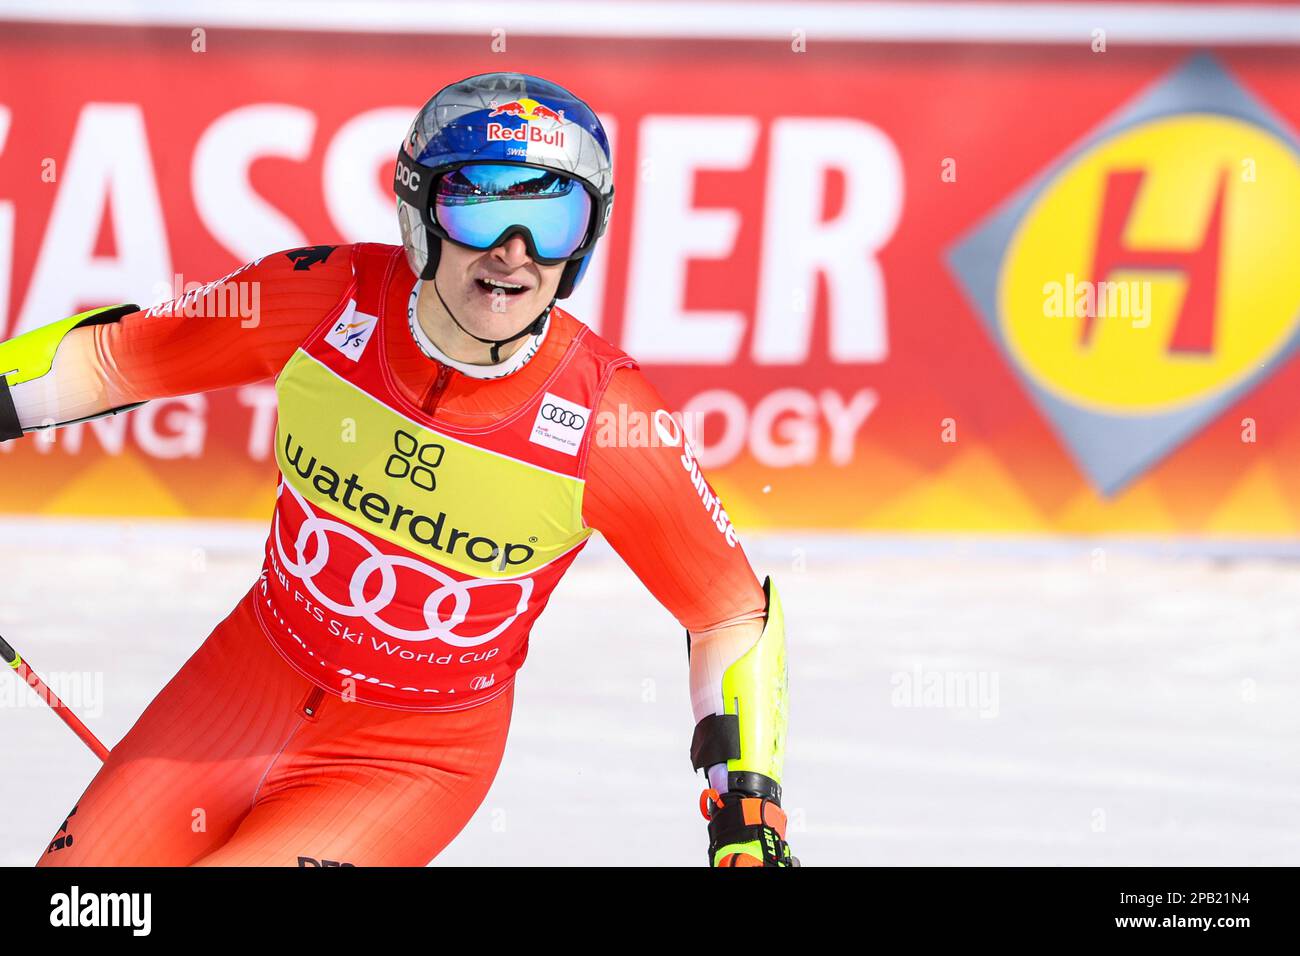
(668, 232)
(241, 220)
(734, 416)
(360, 203)
(797, 245)
(783, 428)
(261, 430)
(184, 415)
(108, 168)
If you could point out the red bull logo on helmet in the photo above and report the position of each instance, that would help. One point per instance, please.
(527, 109)
(531, 112)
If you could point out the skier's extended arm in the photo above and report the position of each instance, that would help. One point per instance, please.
(234, 331)
(651, 501)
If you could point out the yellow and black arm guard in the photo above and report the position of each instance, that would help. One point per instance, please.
(746, 822)
(30, 356)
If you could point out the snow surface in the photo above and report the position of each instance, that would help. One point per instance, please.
(1141, 701)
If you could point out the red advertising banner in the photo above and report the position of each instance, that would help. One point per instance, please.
(921, 286)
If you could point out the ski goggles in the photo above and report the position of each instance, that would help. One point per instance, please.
(480, 205)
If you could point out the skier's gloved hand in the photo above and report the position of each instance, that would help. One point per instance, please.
(29, 358)
(745, 830)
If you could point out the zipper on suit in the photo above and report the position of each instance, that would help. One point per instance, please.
(434, 393)
(311, 706)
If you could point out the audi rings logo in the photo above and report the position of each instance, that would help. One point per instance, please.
(313, 538)
(413, 460)
(562, 416)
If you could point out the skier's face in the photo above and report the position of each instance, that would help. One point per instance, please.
(496, 293)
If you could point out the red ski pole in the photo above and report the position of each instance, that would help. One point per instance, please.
(33, 680)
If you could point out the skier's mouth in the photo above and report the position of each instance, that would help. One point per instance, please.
(500, 287)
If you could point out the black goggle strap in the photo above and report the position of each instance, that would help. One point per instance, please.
(413, 182)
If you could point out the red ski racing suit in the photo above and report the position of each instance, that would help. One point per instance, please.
(354, 707)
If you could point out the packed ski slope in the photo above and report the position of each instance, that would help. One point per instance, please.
(952, 701)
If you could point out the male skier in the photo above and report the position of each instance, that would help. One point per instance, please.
(441, 463)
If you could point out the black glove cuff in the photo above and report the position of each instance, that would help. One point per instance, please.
(9, 427)
(741, 819)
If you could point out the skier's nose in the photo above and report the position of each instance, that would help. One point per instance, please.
(512, 253)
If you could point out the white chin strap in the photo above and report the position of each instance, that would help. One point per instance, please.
(506, 367)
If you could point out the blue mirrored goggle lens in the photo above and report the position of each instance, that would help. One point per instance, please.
(475, 204)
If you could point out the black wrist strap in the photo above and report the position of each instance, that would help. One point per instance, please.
(716, 740)
(9, 427)
(754, 785)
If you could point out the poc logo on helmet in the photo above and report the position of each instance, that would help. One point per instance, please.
(414, 461)
(408, 177)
